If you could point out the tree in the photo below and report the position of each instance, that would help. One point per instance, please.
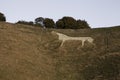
(66, 23)
(60, 24)
(82, 24)
(39, 20)
(71, 23)
(2, 17)
(49, 23)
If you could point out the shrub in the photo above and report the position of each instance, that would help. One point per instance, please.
(25, 22)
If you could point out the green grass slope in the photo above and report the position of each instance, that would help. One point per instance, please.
(33, 53)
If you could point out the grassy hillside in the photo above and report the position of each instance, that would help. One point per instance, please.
(33, 53)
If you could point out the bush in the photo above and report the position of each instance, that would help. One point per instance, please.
(25, 22)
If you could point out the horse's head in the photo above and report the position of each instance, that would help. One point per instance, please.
(59, 34)
(54, 32)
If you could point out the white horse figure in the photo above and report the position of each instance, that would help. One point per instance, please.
(64, 38)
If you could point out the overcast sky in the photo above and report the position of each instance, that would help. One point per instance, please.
(98, 13)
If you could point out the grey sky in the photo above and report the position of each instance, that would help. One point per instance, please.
(98, 13)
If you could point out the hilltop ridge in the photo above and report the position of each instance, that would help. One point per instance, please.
(33, 53)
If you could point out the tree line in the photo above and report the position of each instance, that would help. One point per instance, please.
(65, 22)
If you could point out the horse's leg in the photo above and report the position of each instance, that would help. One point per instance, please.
(91, 42)
(62, 43)
(82, 42)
